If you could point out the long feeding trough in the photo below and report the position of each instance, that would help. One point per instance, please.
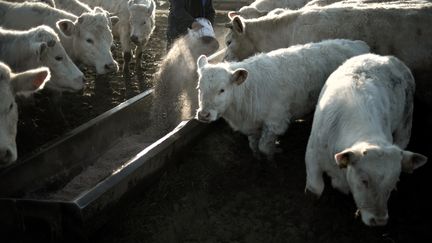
(78, 178)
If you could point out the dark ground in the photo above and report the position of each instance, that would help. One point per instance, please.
(217, 192)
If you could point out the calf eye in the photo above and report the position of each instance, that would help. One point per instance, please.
(11, 106)
(143, 23)
(59, 58)
(221, 91)
(228, 43)
(90, 41)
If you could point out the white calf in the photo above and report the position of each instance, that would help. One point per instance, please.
(361, 125)
(86, 38)
(136, 23)
(11, 84)
(40, 46)
(261, 95)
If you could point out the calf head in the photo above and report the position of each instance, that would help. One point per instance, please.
(92, 40)
(141, 20)
(239, 45)
(65, 75)
(372, 173)
(216, 84)
(10, 85)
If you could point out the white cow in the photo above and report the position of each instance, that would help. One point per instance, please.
(86, 38)
(361, 125)
(261, 95)
(400, 29)
(49, 2)
(262, 7)
(40, 46)
(136, 23)
(10, 85)
(73, 6)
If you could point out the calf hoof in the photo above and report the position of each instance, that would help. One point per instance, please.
(257, 155)
(311, 196)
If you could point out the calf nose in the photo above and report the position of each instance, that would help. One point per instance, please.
(134, 39)
(110, 67)
(5, 155)
(203, 115)
(378, 221)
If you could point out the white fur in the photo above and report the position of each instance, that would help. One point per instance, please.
(262, 7)
(281, 85)
(321, 3)
(48, 2)
(401, 29)
(73, 6)
(87, 39)
(362, 123)
(136, 18)
(40, 46)
(11, 84)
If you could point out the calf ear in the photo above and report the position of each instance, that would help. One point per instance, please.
(152, 7)
(98, 10)
(232, 14)
(202, 60)
(238, 25)
(66, 26)
(130, 3)
(114, 20)
(412, 161)
(30, 80)
(239, 76)
(346, 157)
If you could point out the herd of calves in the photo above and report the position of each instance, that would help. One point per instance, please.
(355, 63)
(59, 35)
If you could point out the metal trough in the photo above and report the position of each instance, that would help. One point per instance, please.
(24, 187)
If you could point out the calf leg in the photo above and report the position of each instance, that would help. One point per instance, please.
(314, 174)
(266, 143)
(269, 134)
(126, 48)
(253, 144)
(138, 55)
